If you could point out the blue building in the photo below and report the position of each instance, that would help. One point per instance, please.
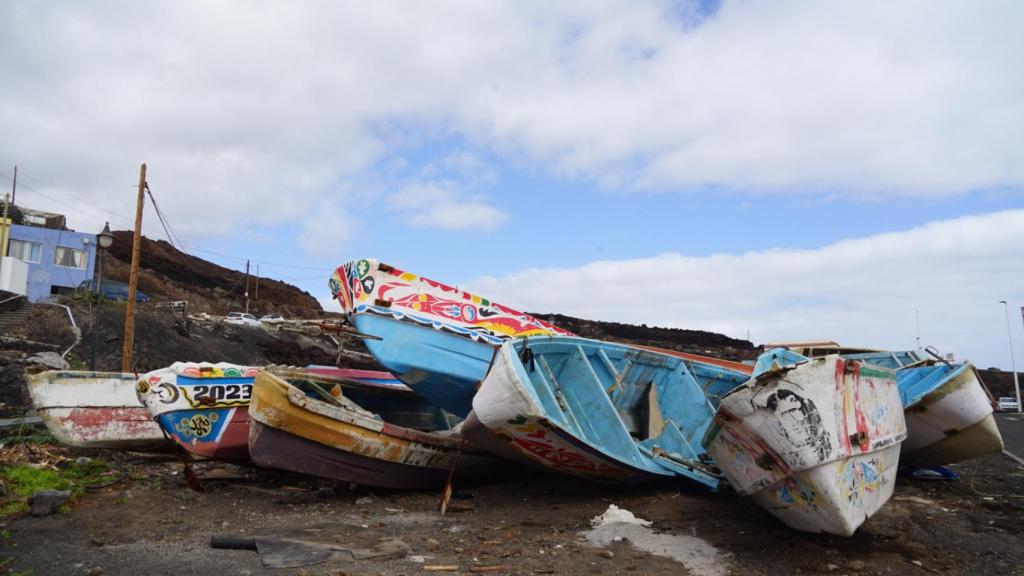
(58, 259)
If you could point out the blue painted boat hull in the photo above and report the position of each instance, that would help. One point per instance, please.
(598, 410)
(441, 366)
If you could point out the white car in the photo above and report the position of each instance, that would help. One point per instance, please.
(242, 319)
(1007, 404)
(272, 318)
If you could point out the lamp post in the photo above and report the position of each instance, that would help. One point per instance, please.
(1013, 360)
(103, 241)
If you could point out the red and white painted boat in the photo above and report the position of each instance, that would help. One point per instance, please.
(94, 410)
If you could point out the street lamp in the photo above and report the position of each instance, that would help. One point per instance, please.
(1013, 360)
(103, 241)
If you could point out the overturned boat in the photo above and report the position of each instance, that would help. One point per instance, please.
(435, 338)
(374, 435)
(94, 410)
(202, 407)
(947, 407)
(815, 442)
(599, 410)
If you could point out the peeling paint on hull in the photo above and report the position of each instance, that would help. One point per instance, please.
(94, 410)
(815, 443)
(952, 423)
(293, 431)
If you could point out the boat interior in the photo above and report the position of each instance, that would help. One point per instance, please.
(395, 405)
(631, 403)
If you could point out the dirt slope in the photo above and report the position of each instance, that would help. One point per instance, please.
(169, 274)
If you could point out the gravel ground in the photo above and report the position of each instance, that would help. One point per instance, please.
(530, 523)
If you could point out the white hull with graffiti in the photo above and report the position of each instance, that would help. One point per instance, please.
(814, 442)
(94, 410)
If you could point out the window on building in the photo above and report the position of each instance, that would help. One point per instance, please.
(70, 258)
(26, 251)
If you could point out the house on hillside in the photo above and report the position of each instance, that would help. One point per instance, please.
(58, 259)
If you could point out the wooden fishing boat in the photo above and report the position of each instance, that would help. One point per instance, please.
(599, 410)
(435, 338)
(814, 441)
(202, 407)
(379, 436)
(946, 405)
(94, 410)
(949, 414)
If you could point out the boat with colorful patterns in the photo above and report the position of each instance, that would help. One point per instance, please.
(202, 407)
(435, 338)
(94, 410)
(947, 407)
(372, 435)
(815, 442)
(599, 410)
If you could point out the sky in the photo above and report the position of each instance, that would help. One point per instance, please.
(787, 170)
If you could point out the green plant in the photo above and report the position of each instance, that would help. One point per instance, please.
(24, 480)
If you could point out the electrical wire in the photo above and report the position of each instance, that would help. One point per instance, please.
(168, 229)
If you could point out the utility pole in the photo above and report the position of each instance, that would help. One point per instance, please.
(918, 314)
(6, 231)
(133, 278)
(14, 186)
(246, 286)
(1013, 359)
(258, 285)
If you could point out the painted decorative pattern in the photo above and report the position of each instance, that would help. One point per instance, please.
(368, 286)
(533, 439)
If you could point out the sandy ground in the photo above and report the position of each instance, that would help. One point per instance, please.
(528, 523)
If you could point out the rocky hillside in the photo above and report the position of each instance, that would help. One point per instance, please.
(693, 341)
(166, 273)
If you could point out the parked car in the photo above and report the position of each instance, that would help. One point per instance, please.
(113, 290)
(272, 318)
(1007, 404)
(242, 319)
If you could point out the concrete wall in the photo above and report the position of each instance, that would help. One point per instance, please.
(46, 274)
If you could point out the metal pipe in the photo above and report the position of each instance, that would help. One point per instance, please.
(1013, 359)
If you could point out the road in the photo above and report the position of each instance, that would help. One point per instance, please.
(1011, 426)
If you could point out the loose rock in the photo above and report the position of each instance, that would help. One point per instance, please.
(47, 502)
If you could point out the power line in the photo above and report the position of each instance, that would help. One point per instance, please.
(168, 229)
(77, 209)
(171, 237)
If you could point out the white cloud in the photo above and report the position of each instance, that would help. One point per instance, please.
(442, 204)
(861, 292)
(326, 230)
(460, 216)
(258, 111)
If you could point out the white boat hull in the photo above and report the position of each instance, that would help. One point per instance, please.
(816, 444)
(94, 410)
(951, 424)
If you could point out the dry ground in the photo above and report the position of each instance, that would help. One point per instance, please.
(152, 523)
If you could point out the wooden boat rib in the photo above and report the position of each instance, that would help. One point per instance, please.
(814, 441)
(94, 410)
(296, 427)
(598, 410)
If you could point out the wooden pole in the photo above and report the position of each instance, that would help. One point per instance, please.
(246, 286)
(6, 227)
(133, 278)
